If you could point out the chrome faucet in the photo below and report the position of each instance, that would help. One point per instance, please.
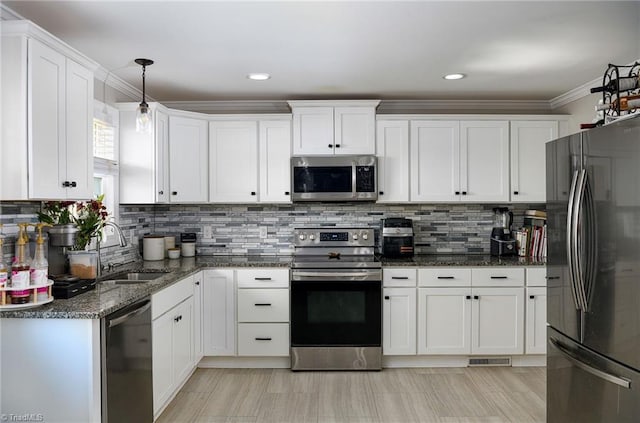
(121, 238)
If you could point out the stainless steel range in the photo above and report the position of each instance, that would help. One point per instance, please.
(336, 300)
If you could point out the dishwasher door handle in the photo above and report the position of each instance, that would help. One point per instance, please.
(118, 320)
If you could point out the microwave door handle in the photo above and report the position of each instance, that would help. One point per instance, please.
(353, 180)
(570, 238)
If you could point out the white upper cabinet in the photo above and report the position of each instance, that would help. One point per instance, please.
(275, 162)
(144, 157)
(392, 149)
(528, 174)
(47, 117)
(333, 127)
(435, 161)
(455, 161)
(233, 162)
(250, 161)
(187, 160)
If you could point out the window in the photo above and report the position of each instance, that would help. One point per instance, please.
(105, 163)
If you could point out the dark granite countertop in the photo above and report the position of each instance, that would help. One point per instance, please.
(108, 297)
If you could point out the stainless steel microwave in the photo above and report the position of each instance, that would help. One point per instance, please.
(334, 178)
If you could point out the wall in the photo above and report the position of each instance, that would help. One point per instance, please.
(440, 229)
(581, 111)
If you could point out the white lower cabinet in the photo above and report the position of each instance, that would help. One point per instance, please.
(219, 312)
(444, 321)
(497, 316)
(263, 339)
(172, 340)
(198, 347)
(399, 321)
(536, 321)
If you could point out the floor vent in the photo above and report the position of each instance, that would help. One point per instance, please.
(494, 361)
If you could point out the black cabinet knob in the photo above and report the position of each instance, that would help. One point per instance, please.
(381, 193)
(386, 297)
(464, 192)
(66, 184)
(330, 145)
(174, 192)
(197, 282)
(160, 192)
(531, 297)
(337, 145)
(515, 192)
(73, 184)
(287, 193)
(468, 297)
(457, 192)
(475, 297)
(253, 193)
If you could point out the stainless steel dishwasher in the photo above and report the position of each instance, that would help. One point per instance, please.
(127, 383)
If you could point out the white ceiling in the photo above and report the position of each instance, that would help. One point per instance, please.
(348, 49)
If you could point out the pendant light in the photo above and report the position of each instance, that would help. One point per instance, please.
(143, 113)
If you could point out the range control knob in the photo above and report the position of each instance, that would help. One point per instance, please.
(365, 236)
(312, 237)
(355, 237)
(301, 237)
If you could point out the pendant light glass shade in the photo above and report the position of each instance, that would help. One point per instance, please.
(144, 118)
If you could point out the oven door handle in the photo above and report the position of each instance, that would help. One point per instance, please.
(333, 274)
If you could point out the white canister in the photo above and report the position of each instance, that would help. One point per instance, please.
(188, 249)
(153, 247)
(169, 242)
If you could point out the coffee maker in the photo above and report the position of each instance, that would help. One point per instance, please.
(502, 241)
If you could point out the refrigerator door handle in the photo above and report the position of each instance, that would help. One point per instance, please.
(591, 258)
(569, 355)
(570, 238)
(577, 241)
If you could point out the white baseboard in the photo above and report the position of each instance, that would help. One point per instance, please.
(245, 362)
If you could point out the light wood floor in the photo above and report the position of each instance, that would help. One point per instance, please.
(452, 395)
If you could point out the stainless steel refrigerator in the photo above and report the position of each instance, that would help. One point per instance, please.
(593, 268)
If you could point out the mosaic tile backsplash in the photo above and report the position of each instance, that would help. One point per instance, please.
(235, 229)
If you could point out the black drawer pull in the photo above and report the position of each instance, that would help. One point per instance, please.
(262, 279)
(515, 192)
(446, 277)
(552, 277)
(400, 277)
(531, 297)
(499, 277)
(262, 304)
(468, 297)
(386, 297)
(475, 297)
(263, 339)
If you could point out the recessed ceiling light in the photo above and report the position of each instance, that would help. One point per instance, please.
(259, 76)
(453, 76)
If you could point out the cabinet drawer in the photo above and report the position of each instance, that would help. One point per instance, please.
(536, 276)
(263, 305)
(263, 339)
(172, 295)
(263, 278)
(399, 277)
(444, 276)
(497, 276)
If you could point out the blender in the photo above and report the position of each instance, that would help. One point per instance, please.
(502, 241)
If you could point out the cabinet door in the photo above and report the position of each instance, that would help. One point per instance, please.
(435, 167)
(528, 175)
(498, 321)
(392, 149)
(79, 130)
(399, 321)
(47, 148)
(162, 350)
(536, 322)
(484, 161)
(312, 130)
(444, 321)
(219, 313)
(233, 159)
(187, 160)
(354, 130)
(182, 316)
(161, 157)
(198, 286)
(275, 162)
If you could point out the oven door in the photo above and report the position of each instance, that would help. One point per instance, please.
(333, 313)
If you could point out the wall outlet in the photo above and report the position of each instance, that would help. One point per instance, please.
(263, 232)
(207, 232)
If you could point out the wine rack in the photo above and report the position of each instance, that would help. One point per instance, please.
(614, 73)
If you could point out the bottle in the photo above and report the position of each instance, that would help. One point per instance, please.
(4, 270)
(626, 103)
(39, 272)
(20, 265)
(621, 84)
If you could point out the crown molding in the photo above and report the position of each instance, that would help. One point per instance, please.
(7, 14)
(421, 106)
(231, 106)
(575, 94)
(119, 84)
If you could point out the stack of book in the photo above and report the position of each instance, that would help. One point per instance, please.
(531, 239)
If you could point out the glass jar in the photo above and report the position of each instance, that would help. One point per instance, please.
(83, 264)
